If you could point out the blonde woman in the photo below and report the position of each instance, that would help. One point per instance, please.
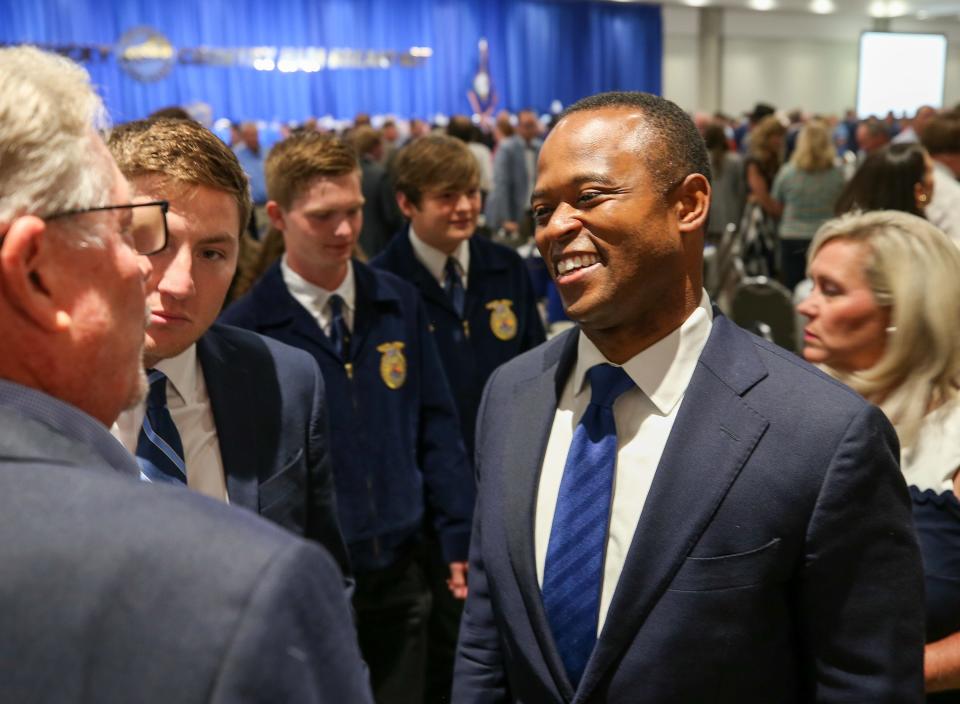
(884, 317)
(803, 195)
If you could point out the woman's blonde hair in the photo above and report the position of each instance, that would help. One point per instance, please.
(815, 150)
(913, 268)
(760, 136)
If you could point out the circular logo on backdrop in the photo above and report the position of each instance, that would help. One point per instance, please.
(145, 54)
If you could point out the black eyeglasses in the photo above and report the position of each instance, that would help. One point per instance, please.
(148, 223)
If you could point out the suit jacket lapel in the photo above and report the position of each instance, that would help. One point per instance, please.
(232, 402)
(714, 434)
(536, 400)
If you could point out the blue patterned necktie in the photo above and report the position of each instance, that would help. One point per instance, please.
(339, 333)
(573, 572)
(453, 285)
(159, 449)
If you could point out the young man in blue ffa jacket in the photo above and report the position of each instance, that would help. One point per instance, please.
(482, 311)
(242, 419)
(396, 442)
(478, 294)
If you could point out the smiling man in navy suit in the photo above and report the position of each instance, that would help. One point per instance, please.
(249, 412)
(670, 509)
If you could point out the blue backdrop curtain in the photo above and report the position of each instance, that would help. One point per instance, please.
(540, 51)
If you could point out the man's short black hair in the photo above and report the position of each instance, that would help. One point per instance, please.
(678, 149)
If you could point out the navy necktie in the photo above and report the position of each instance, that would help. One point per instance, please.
(339, 333)
(159, 448)
(573, 572)
(453, 285)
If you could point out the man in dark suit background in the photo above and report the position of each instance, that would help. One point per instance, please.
(250, 412)
(381, 216)
(115, 589)
(514, 172)
(670, 509)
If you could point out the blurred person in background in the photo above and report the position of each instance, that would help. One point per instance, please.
(897, 177)
(728, 184)
(941, 139)
(883, 319)
(803, 196)
(463, 129)
(759, 228)
(871, 135)
(764, 159)
(514, 172)
(381, 217)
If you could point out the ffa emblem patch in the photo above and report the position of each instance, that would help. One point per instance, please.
(503, 321)
(393, 365)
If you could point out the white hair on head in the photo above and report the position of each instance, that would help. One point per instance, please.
(49, 160)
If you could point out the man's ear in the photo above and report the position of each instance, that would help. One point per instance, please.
(693, 203)
(275, 214)
(31, 271)
(406, 205)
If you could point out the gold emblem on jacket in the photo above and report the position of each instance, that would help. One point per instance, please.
(393, 365)
(503, 321)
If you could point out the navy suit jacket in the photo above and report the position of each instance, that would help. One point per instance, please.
(394, 450)
(270, 412)
(774, 561)
(469, 348)
(117, 590)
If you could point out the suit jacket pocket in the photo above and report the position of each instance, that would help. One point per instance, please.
(278, 494)
(742, 569)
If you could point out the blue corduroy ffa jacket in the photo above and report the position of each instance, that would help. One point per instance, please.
(395, 436)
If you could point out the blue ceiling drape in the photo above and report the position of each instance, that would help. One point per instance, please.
(540, 51)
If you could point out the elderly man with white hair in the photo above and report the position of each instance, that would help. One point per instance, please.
(114, 589)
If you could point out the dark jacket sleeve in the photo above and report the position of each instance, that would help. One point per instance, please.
(479, 675)
(860, 549)
(295, 640)
(322, 523)
(442, 455)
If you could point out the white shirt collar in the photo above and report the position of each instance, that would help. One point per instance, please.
(181, 373)
(663, 370)
(435, 260)
(302, 290)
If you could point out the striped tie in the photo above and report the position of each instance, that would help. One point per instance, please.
(159, 449)
(573, 572)
(339, 332)
(453, 285)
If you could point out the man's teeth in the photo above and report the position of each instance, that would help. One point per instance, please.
(567, 265)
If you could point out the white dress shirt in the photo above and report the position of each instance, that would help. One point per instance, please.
(316, 299)
(189, 405)
(436, 261)
(644, 416)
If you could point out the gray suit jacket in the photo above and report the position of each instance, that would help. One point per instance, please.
(115, 590)
(774, 560)
(509, 199)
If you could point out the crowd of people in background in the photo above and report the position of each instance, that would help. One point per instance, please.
(776, 175)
